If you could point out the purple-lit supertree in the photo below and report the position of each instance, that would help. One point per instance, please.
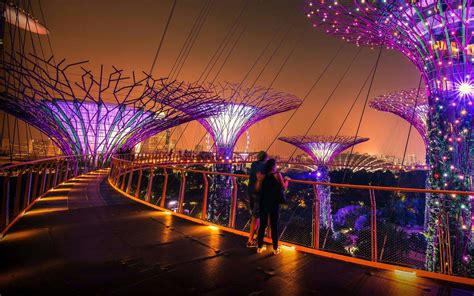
(240, 108)
(437, 36)
(95, 115)
(412, 106)
(322, 150)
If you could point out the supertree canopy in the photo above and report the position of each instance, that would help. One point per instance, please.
(241, 108)
(96, 115)
(437, 37)
(360, 162)
(322, 150)
(411, 105)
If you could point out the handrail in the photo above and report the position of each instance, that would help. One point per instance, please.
(195, 158)
(380, 246)
(42, 175)
(36, 161)
(373, 187)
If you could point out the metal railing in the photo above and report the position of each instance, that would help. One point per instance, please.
(374, 223)
(209, 157)
(23, 183)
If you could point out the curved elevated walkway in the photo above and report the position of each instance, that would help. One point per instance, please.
(85, 239)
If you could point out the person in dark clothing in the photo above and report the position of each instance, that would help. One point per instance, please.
(271, 188)
(257, 168)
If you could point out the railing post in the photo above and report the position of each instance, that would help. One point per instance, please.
(204, 199)
(124, 176)
(149, 187)
(49, 182)
(5, 218)
(181, 192)
(316, 216)
(36, 169)
(76, 167)
(137, 192)
(43, 181)
(118, 169)
(16, 205)
(56, 174)
(373, 225)
(27, 197)
(66, 171)
(129, 184)
(165, 186)
(233, 203)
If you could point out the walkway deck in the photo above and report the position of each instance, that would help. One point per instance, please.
(86, 239)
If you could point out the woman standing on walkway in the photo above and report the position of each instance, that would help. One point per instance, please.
(272, 189)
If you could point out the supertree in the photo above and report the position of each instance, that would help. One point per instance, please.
(359, 162)
(95, 115)
(322, 150)
(411, 105)
(437, 37)
(241, 108)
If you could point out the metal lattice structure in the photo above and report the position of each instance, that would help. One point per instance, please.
(437, 37)
(96, 115)
(242, 107)
(359, 162)
(322, 150)
(409, 105)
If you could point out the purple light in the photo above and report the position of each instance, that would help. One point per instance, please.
(411, 105)
(241, 108)
(323, 149)
(96, 115)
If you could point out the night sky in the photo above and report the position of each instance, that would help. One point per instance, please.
(126, 34)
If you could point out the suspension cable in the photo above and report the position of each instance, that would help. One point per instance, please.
(365, 106)
(305, 97)
(328, 98)
(170, 16)
(412, 119)
(190, 40)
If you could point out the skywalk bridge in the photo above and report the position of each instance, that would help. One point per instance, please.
(72, 228)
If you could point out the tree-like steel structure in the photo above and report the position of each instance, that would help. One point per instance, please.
(411, 105)
(322, 150)
(96, 115)
(437, 37)
(360, 162)
(241, 108)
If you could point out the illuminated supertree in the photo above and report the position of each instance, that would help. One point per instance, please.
(411, 105)
(437, 37)
(322, 150)
(242, 107)
(359, 162)
(96, 115)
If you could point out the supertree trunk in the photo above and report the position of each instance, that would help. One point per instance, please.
(322, 175)
(449, 223)
(220, 196)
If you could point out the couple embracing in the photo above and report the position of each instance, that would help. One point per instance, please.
(266, 194)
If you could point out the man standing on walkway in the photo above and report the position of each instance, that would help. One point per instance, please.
(257, 168)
